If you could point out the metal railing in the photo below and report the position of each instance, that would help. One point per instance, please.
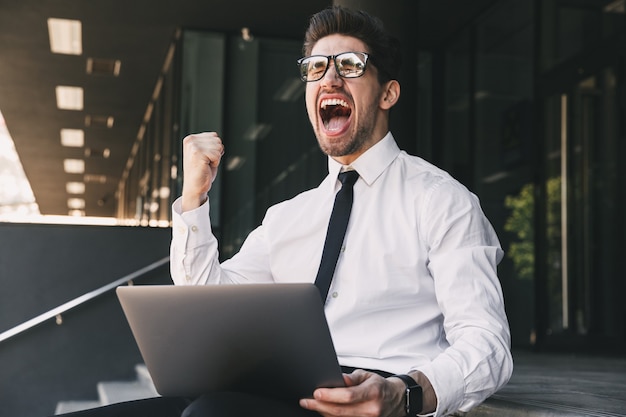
(58, 311)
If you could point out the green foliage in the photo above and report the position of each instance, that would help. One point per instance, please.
(521, 224)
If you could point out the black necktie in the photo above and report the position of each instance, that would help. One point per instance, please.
(336, 230)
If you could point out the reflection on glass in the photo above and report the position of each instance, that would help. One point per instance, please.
(571, 28)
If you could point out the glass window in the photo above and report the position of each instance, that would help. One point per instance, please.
(582, 95)
(571, 27)
(424, 105)
(456, 157)
(503, 164)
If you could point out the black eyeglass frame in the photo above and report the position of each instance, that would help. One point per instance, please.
(303, 75)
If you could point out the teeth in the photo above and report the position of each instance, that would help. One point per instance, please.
(333, 102)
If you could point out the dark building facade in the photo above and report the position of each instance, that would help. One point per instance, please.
(525, 105)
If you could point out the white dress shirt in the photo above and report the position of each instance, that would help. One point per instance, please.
(415, 287)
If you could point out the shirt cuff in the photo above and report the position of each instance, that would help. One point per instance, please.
(447, 382)
(192, 228)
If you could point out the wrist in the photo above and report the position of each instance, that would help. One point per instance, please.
(412, 403)
(429, 398)
(191, 202)
(399, 400)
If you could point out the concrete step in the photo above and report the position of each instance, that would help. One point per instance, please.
(144, 376)
(71, 406)
(111, 392)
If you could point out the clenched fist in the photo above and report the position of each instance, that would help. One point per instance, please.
(202, 154)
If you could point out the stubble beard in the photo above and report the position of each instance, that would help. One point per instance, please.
(354, 143)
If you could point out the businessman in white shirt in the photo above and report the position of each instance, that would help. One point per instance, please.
(413, 301)
(415, 294)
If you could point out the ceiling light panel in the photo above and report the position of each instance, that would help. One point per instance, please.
(98, 179)
(99, 121)
(97, 153)
(76, 203)
(74, 166)
(69, 97)
(98, 66)
(65, 36)
(75, 187)
(73, 138)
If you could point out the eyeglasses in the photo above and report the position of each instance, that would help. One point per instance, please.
(347, 64)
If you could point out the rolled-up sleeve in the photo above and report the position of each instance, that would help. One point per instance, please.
(463, 257)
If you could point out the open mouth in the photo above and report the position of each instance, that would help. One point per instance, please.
(335, 114)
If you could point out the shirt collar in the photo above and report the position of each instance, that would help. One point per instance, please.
(371, 163)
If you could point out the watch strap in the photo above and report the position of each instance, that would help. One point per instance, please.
(413, 395)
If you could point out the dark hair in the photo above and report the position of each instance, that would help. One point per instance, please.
(384, 49)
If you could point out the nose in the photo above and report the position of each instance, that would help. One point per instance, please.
(331, 78)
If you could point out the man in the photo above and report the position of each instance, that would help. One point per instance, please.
(414, 296)
(415, 290)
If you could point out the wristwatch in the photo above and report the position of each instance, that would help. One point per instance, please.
(412, 396)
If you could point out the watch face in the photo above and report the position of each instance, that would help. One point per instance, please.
(414, 400)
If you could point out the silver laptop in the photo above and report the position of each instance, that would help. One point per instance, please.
(266, 339)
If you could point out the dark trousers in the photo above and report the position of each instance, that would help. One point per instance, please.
(236, 404)
(151, 407)
(217, 404)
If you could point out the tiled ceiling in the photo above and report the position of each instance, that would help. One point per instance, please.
(138, 33)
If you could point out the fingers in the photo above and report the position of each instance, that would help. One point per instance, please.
(202, 154)
(366, 394)
(346, 403)
(207, 147)
(361, 396)
(357, 390)
(357, 377)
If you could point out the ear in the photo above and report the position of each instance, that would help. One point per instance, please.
(390, 95)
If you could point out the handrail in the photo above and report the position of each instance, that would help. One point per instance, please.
(55, 312)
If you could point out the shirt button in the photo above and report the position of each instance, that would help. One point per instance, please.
(194, 228)
(187, 278)
(343, 248)
(181, 230)
(335, 294)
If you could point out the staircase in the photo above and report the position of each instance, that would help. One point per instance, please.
(542, 385)
(114, 392)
